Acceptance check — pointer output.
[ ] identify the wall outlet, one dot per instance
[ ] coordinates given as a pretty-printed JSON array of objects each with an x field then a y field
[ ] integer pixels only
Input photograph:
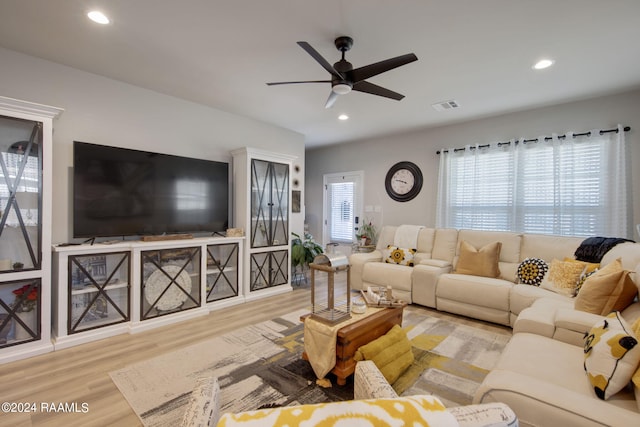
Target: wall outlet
[
  {"x": 368, "y": 208},
  {"x": 378, "y": 208}
]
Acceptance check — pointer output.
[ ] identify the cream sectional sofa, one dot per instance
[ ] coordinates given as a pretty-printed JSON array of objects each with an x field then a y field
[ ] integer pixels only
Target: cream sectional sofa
[
  {"x": 432, "y": 283},
  {"x": 540, "y": 375}
]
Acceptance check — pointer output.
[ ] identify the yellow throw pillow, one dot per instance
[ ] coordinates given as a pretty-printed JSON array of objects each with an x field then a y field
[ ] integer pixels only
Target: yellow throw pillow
[
  {"x": 391, "y": 353},
  {"x": 400, "y": 256},
  {"x": 611, "y": 355},
  {"x": 563, "y": 277},
  {"x": 606, "y": 290},
  {"x": 589, "y": 266},
  {"x": 482, "y": 262}
]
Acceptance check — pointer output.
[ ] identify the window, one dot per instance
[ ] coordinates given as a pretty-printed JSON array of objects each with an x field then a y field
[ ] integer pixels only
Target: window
[
  {"x": 575, "y": 186},
  {"x": 342, "y": 206}
]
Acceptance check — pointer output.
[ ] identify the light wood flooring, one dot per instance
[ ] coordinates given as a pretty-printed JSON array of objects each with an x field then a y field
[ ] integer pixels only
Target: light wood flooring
[{"x": 81, "y": 374}]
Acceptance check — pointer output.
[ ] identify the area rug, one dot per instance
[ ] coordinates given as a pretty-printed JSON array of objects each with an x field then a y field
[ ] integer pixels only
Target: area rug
[{"x": 260, "y": 366}]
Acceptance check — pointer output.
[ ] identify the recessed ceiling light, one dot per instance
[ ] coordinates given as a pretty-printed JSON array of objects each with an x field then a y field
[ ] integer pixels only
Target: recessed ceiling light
[
  {"x": 343, "y": 117},
  {"x": 99, "y": 17},
  {"x": 542, "y": 64}
]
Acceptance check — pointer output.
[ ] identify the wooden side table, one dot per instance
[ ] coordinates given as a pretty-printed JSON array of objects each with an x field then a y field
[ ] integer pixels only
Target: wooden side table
[{"x": 355, "y": 335}]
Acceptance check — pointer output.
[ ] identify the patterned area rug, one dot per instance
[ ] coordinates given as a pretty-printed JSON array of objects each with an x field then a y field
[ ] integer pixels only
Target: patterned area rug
[{"x": 260, "y": 366}]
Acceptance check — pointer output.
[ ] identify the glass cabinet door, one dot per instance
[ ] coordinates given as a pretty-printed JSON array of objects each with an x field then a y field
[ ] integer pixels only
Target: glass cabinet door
[
  {"x": 269, "y": 269},
  {"x": 260, "y": 203},
  {"x": 170, "y": 281},
  {"x": 279, "y": 204},
  {"x": 99, "y": 290},
  {"x": 20, "y": 198},
  {"x": 19, "y": 312},
  {"x": 269, "y": 203},
  {"x": 222, "y": 271}
]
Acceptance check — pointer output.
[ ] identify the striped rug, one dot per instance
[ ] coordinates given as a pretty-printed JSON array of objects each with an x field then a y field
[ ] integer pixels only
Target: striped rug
[{"x": 261, "y": 366}]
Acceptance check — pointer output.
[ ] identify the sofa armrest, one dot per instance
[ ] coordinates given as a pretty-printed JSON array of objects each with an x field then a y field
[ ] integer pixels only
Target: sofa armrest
[
  {"x": 369, "y": 383},
  {"x": 425, "y": 280},
  {"x": 357, "y": 262},
  {"x": 571, "y": 325}
]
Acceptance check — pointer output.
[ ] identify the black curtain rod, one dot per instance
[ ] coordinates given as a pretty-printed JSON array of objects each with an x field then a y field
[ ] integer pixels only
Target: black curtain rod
[{"x": 547, "y": 138}]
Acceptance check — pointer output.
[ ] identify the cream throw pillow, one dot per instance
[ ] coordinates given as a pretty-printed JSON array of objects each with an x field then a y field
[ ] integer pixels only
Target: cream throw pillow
[
  {"x": 482, "y": 262},
  {"x": 608, "y": 289},
  {"x": 611, "y": 355}
]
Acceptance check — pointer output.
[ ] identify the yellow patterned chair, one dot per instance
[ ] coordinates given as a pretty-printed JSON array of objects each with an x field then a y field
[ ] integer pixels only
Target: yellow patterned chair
[{"x": 375, "y": 404}]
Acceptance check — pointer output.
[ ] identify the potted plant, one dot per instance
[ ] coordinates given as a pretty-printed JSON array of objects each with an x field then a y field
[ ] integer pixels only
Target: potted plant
[
  {"x": 367, "y": 233},
  {"x": 304, "y": 250}
]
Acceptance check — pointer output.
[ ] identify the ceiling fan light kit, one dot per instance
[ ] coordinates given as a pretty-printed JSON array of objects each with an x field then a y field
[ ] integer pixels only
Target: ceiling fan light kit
[{"x": 344, "y": 78}]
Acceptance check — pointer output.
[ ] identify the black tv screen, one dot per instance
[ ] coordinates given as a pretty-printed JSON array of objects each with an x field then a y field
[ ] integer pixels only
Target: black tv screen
[{"x": 123, "y": 192}]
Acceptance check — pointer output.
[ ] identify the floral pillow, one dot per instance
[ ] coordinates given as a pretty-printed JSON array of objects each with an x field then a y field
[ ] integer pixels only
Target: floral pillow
[
  {"x": 611, "y": 355},
  {"x": 400, "y": 256}
]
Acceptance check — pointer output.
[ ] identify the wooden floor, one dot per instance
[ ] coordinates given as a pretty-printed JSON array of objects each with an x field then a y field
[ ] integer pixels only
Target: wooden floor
[{"x": 81, "y": 374}]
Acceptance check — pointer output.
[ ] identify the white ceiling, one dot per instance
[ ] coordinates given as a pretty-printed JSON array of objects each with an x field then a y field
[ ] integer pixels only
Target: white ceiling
[{"x": 222, "y": 52}]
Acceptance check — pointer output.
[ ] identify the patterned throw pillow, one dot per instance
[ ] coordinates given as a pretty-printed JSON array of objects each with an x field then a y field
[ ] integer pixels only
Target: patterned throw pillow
[
  {"x": 611, "y": 355},
  {"x": 400, "y": 256},
  {"x": 563, "y": 277},
  {"x": 406, "y": 410},
  {"x": 531, "y": 271}
]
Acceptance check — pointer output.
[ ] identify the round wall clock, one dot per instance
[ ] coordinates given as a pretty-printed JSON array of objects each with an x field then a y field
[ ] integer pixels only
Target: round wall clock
[{"x": 403, "y": 181}]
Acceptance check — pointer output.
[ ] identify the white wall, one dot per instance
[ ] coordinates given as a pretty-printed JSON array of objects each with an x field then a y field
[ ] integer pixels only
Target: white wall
[
  {"x": 109, "y": 112},
  {"x": 375, "y": 156}
]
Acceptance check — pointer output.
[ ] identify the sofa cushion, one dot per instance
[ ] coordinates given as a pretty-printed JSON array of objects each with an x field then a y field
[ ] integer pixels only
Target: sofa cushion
[
  {"x": 611, "y": 355},
  {"x": 531, "y": 271},
  {"x": 523, "y": 296},
  {"x": 548, "y": 247},
  {"x": 482, "y": 292},
  {"x": 608, "y": 289},
  {"x": 400, "y": 256},
  {"x": 382, "y": 274},
  {"x": 391, "y": 353},
  {"x": 563, "y": 277},
  {"x": 479, "y": 262},
  {"x": 444, "y": 244}
]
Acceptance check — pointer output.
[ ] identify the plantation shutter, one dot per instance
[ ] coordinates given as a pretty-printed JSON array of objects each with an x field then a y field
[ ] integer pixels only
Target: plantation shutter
[{"x": 341, "y": 200}]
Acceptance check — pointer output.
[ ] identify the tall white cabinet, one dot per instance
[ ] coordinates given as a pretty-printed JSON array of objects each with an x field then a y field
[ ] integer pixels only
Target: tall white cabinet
[
  {"x": 262, "y": 202},
  {"x": 25, "y": 228}
]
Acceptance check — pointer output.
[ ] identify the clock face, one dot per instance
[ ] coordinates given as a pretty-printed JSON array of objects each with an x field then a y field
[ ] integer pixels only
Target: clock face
[{"x": 403, "y": 181}]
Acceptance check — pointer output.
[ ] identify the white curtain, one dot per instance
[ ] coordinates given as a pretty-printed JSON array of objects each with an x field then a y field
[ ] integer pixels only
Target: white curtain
[{"x": 573, "y": 185}]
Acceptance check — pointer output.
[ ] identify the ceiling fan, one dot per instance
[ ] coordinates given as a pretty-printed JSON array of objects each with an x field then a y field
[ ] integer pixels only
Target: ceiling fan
[{"x": 344, "y": 78}]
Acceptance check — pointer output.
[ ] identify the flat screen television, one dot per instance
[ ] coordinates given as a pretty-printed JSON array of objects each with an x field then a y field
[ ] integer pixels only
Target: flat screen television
[{"x": 124, "y": 192}]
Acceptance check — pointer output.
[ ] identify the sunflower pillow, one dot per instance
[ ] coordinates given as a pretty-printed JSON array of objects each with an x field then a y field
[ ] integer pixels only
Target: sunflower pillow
[{"x": 400, "y": 256}]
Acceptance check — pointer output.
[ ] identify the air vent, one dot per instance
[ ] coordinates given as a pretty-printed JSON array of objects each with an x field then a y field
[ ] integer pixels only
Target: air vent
[{"x": 446, "y": 105}]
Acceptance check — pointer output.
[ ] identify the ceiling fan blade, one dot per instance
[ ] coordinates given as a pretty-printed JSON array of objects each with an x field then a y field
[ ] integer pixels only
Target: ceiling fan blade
[
  {"x": 325, "y": 64},
  {"x": 331, "y": 100},
  {"x": 377, "y": 90},
  {"x": 371, "y": 70},
  {"x": 292, "y": 83}
]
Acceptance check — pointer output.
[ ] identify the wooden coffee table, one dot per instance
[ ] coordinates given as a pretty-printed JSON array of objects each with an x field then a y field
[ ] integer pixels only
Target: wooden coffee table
[{"x": 355, "y": 335}]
